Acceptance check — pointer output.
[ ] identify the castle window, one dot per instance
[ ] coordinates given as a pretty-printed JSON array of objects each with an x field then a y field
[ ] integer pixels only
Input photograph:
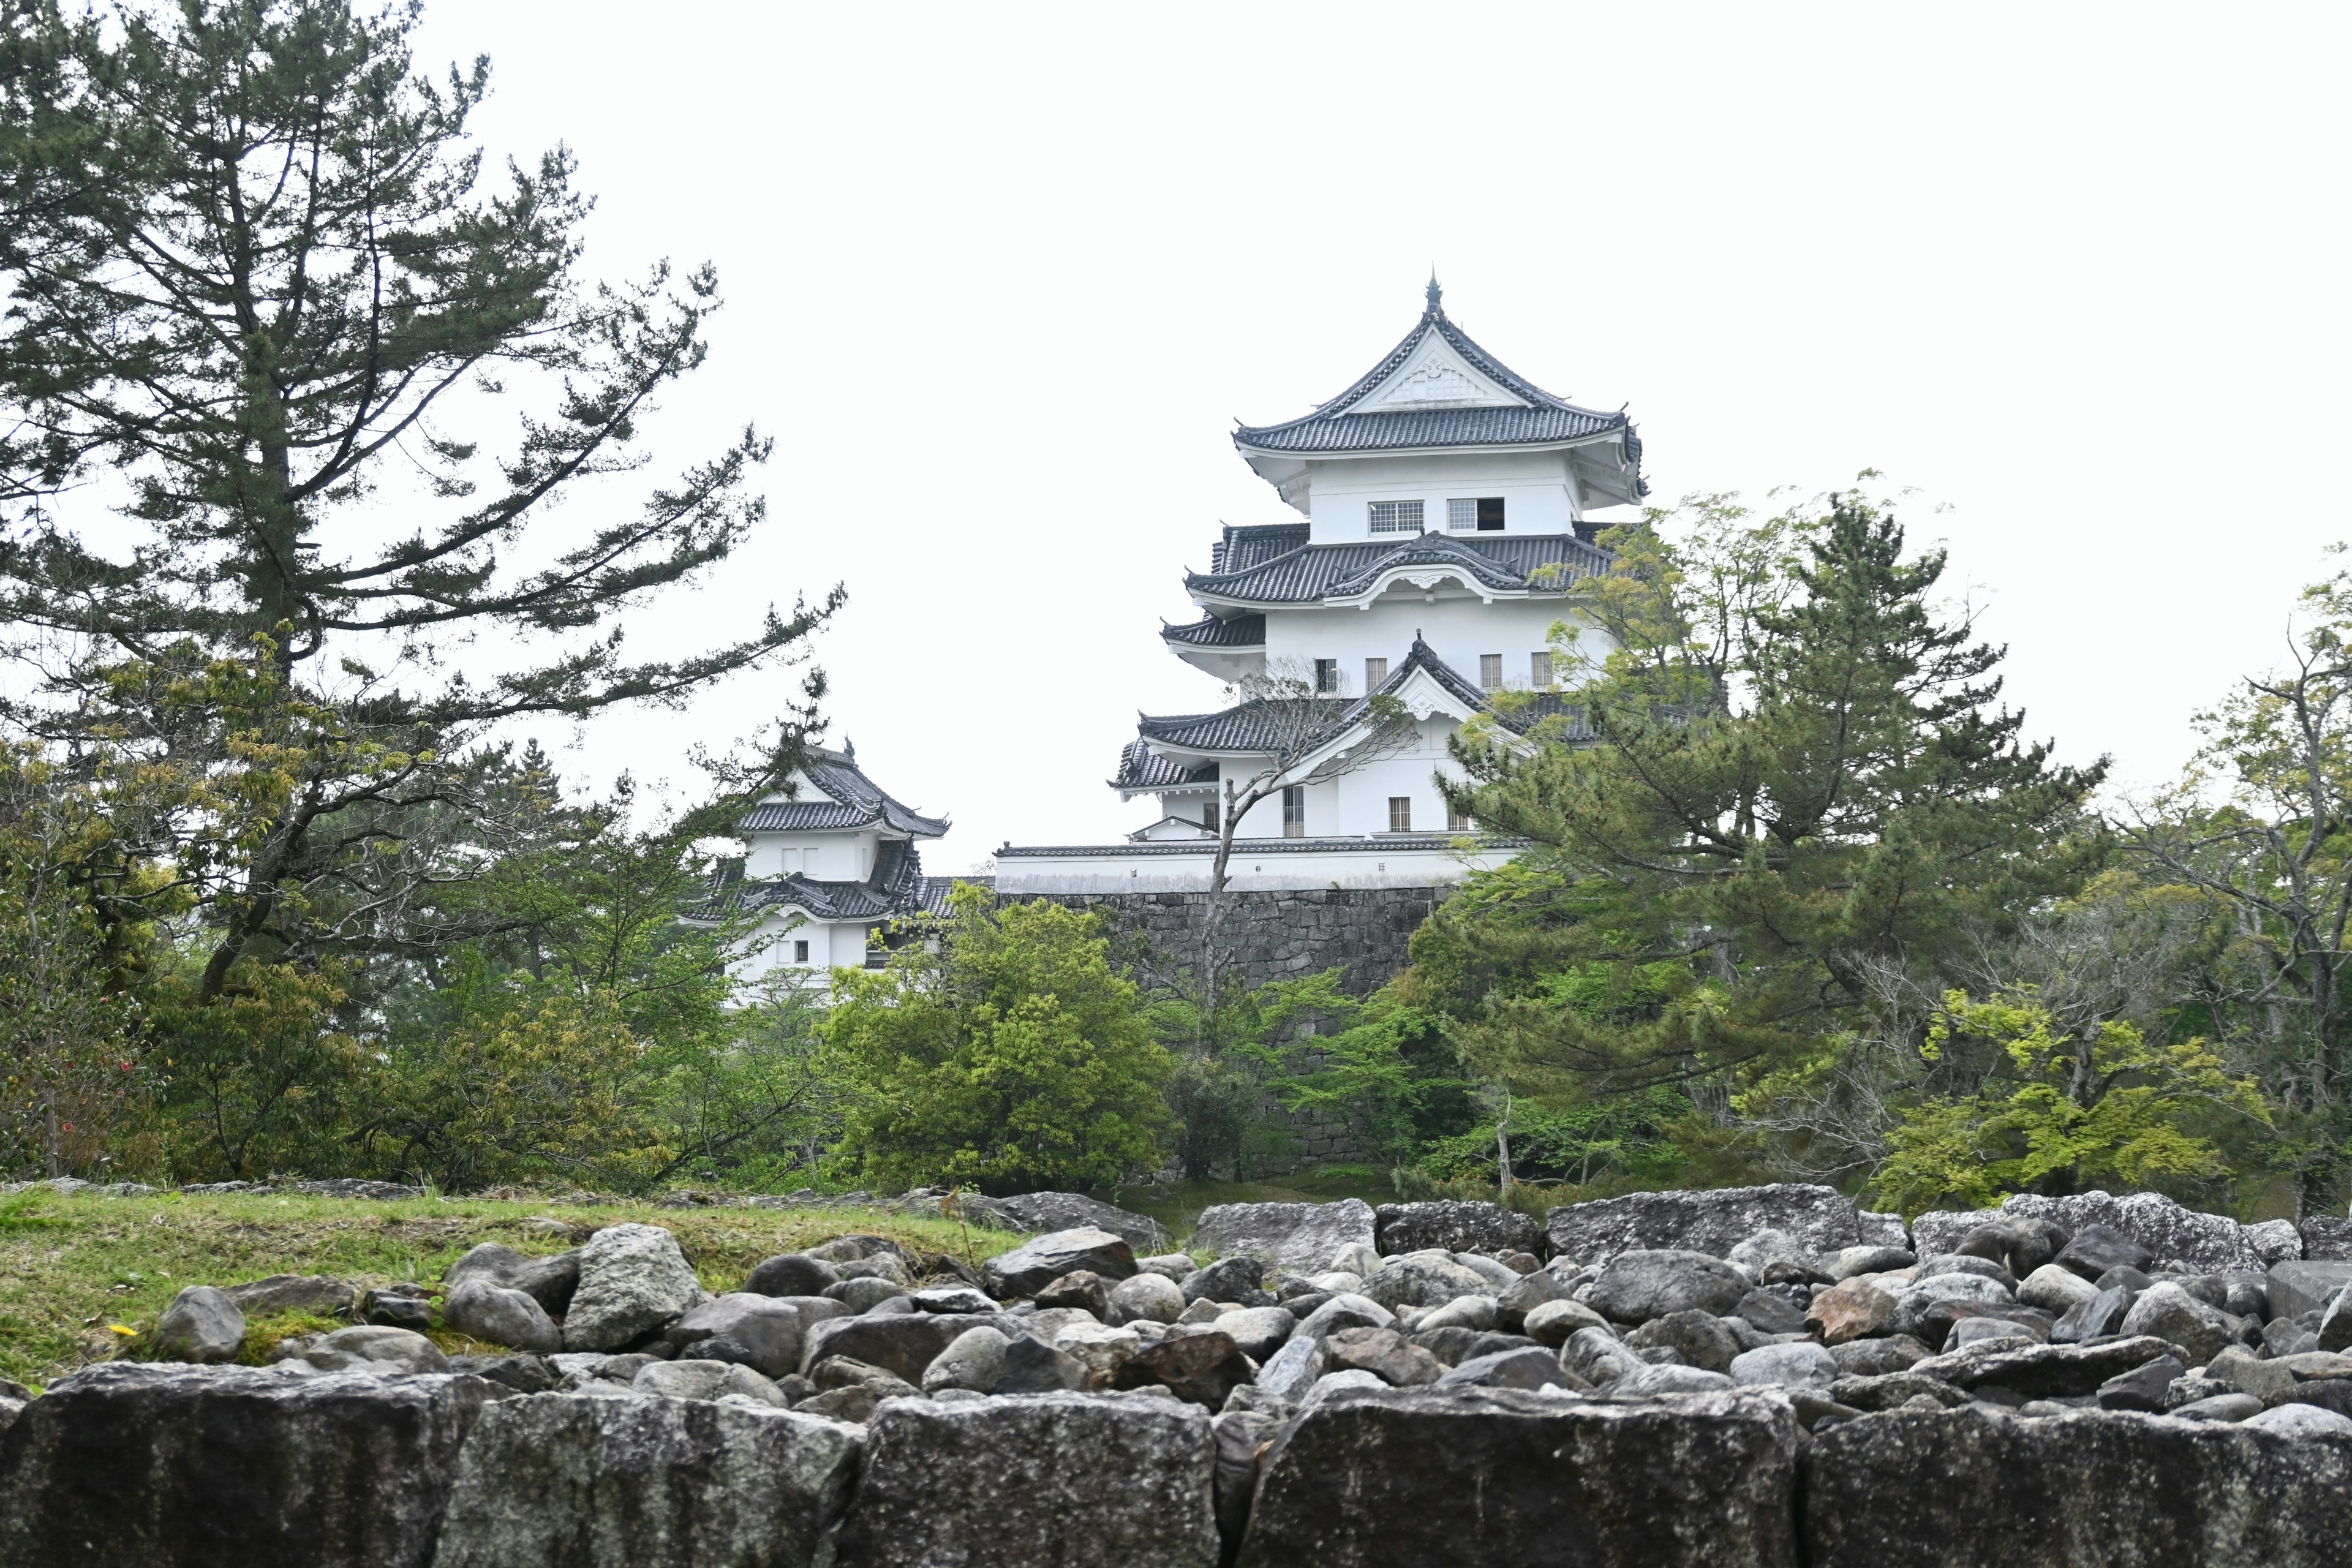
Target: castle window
[
  {"x": 1460, "y": 516},
  {"x": 1209, "y": 817},
  {"x": 1395, "y": 516},
  {"x": 1326, "y": 674},
  {"x": 800, "y": 952},
  {"x": 1490, "y": 514},
  {"x": 1376, "y": 670},
  {"x": 1457, "y": 821},
  {"x": 1294, "y": 811},
  {"x": 1490, "y": 671},
  {"x": 1400, "y": 814},
  {"x": 1539, "y": 670}
]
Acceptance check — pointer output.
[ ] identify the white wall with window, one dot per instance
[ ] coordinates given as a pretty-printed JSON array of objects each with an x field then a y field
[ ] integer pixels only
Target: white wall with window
[
  {"x": 1377, "y": 498},
  {"x": 1457, "y": 626}
]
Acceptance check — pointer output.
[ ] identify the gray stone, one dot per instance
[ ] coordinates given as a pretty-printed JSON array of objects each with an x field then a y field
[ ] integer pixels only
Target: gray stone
[
  {"x": 2143, "y": 1388},
  {"x": 1554, "y": 1322},
  {"x": 1345, "y": 1310},
  {"x": 2171, "y": 1233},
  {"x": 1258, "y": 1331},
  {"x": 2275, "y": 1241},
  {"x": 2170, "y": 1312},
  {"x": 397, "y": 1307},
  {"x": 1848, "y": 1262},
  {"x": 633, "y": 1280},
  {"x": 1599, "y": 1357},
  {"x": 1037, "y": 1263},
  {"x": 1200, "y": 1369},
  {"x": 1293, "y": 1368},
  {"x": 1939, "y": 1265},
  {"x": 1455, "y": 1227},
  {"x": 1298, "y": 1236},
  {"x": 792, "y": 1274},
  {"x": 1895, "y": 1391},
  {"x": 1240, "y": 1434},
  {"x": 694, "y": 1378},
  {"x": 549, "y": 1281},
  {"x": 905, "y": 1344},
  {"x": 1531, "y": 1290},
  {"x": 1476, "y": 1313},
  {"x": 1064, "y": 1480},
  {"x": 1818, "y": 1219},
  {"x": 1383, "y": 1353},
  {"x": 1881, "y": 1229},
  {"x": 975, "y": 1360},
  {"x": 762, "y": 1332},
  {"x": 498, "y": 1316},
  {"x": 2296, "y": 1288},
  {"x": 1500, "y": 1476},
  {"x": 862, "y": 1294},
  {"x": 202, "y": 1324},
  {"x": 2043, "y": 1371},
  {"x": 1770, "y": 1311},
  {"x": 1528, "y": 1369},
  {"x": 1031, "y": 1365},
  {"x": 1237, "y": 1279},
  {"x": 1799, "y": 1363},
  {"x": 1148, "y": 1297},
  {"x": 2057, "y": 1289},
  {"x": 1776, "y": 1258},
  {"x": 573, "y": 1482},
  {"x": 2071, "y": 1491},
  {"x": 2103, "y": 1314},
  {"x": 959, "y": 1300},
  {"x": 1877, "y": 1357},
  {"x": 374, "y": 1345},
  {"x": 2301, "y": 1421},
  {"x": 317, "y": 1293},
  {"x": 1914, "y": 1301},
  {"x": 1424, "y": 1279},
  {"x": 1697, "y": 1338},
  {"x": 2220, "y": 1407},
  {"x": 1672, "y": 1379},
  {"x": 2096, "y": 1250},
  {"x": 1637, "y": 1286},
  {"x": 130, "y": 1465},
  {"x": 2326, "y": 1239},
  {"x": 1076, "y": 1211}
]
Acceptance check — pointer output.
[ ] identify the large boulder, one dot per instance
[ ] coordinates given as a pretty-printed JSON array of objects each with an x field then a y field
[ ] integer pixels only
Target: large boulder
[
  {"x": 1398, "y": 1479},
  {"x": 1302, "y": 1237},
  {"x": 2042, "y": 1372},
  {"x": 202, "y": 1324},
  {"x": 1817, "y": 1219},
  {"x": 139, "y": 1465},
  {"x": 321, "y": 1294},
  {"x": 633, "y": 1280},
  {"x": 1037, "y": 1263},
  {"x": 2208, "y": 1242},
  {"x": 498, "y": 1316},
  {"x": 762, "y": 1332},
  {"x": 2324, "y": 1238},
  {"x": 1640, "y": 1285},
  {"x": 1455, "y": 1227},
  {"x": 549, "y": 1281},
  {"x": 1202, "y": 1368},
  {"x": 2303, "y": 1286},
  {"x": 1074, "y": 1481},
  {"x": 1076, "y": 1211},
  {"x": 1424, "y": 1279},
  {"x": 568, "y": 1481},
  {"x": 2089, "y": 1491},
  {"x": 2169, "y": 1312},
  {"x": 905, "y": 1343}
]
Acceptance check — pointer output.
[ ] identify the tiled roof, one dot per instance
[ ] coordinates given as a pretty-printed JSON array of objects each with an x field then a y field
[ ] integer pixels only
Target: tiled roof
[
  {"x": 855, "y": 800},
  {"x": 1506, "y": 562},
  {"x": 1545, "y": 419},
  {"x": 1138, "y": 769},
  {"x": 1257, "y": 725},
  {"x": 897, "y": 888},
  {"x": 1382, "y": 843},
  {"x": 1236, "y": 631},
  {"x": 1247, "y": 546}
]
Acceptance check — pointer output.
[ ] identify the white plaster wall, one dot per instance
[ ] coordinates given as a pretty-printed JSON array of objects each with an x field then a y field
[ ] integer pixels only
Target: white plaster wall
[
  {"x": 1459, "y": 629},
  {"x": 1112, "y": 872},
  {"x": 1538, "y": 494},
  {"x": 828, "y": 856}
]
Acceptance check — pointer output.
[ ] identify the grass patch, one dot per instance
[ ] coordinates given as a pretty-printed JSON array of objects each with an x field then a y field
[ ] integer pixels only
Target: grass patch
[{"x": 76, "y": 1268}]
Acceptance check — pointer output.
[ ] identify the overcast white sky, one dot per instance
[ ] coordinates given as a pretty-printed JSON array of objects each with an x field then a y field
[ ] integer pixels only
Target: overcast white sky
[{"x": 1002, "y": 277}]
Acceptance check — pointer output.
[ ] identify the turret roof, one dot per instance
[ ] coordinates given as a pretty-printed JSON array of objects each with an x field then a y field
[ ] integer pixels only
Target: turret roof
[
  {"x": 1233, "y": 631},
  {"x": 1505, "y": 563},
  {"x": 852, "y": 801}
]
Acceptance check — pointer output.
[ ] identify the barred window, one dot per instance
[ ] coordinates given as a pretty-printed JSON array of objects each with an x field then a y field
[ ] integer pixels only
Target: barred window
[
  {"x": 1400, "y": 814},
  {"x": 1460, "y": 516},
  {"x": 1457, "y": 821},
  {"x": 1539, "y": 670},
  {"x": 1395, "y": 516},
  {"x": 1327, "y": 675},
  {"x": 1490, "y": 671},
  {"x": 1294, "y": 811},
  {"x": 1376, "y": 670}
]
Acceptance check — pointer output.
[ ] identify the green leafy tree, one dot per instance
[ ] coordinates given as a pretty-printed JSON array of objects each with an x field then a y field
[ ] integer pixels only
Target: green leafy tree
[
  {"x": 1000, "y": 1050},
  {"x": 2065, "y": 1109}
]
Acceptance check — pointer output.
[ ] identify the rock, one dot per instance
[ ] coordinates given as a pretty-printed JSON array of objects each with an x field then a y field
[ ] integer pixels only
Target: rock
[
  {"x": 1700, "y": 1340},
  {"x": 376, "y": 1346},
  {"x": 1014, "y": 1483},
  {"x": 792, "y": 1274},
  {"x": 1817, "y": 1219},
  {"x": 1451, "y": 1346},
  {"x": 2142, "y": 1388},
  {"x": 498, "y": 1316},
  {"x": 317, "y": 1293},
  {"x": 961, "y": 1300},
  {"x": 1148, "y": 1297},
  {"x": 1033, "y": 1366},
  {"x": 1081, "y": 1287},
  {"x": 1383, "y": 1353},
  {"x": 202, "y": 1325},
  {"x": 1531, "y": 1290},
  {"x": 1894, "y": 1391},
  {"x": 1671, "y": 1378},
  {"x": 723, "y": 1315},
  {"x": 1849, "y": 1262},
  {"x": 573, "y": 1482},
  {"x": 1345, "y": 1310},
  {"x": 1424, "y": 1279},
  {"x": 1075, "y": 1211},
  {"x": 1880, "y": 1229},
  {"x": 1914, "y": 1301},
  {"x": 2095, "y": 1249},
  {"x": 1235, "y": 1278},
  {"x": 1200, "y": 1369},
  {"x": 1498, "y": 1277},
  {"x": 633, "y": 1280},
  {"x": 130, "y": 1465},
  {"x": 1293, "y": 1368},
  {"x": 1964, "y": 1263},
  {"x": 2301, "y": 1421},
  {"x": 1476, "y": 1313},
  {"x": 1361, "y": 1258},
  {"x": 1874, "y": 1357},
  {"x": 905, "y": 1344},
  {"x": 699, "y": 1379},
  {"x": 352, "y": 1187},
  {"x": 1800, "y": 1365},
  {"x": 1554, "y": 1322},
  {"x": 397, "y": 1307},
  {"x": 549, "y": 1281},
  {"x": 1454, "y": 1226},
  {"x": 1527, "y": 1369},
  {"x": 2170, "y": 1312},
  {"x": 1239, "y": 1436},
  {"x": 1035, "y": 1264},
  {"x": 2055, "y": 1289},
  {"x": 1849, "y": 1311},
  {"x": 2299, "y": 1286},
  {"x": 1637, "y": 1286},
  {"x": 1500, "y": 1476},
  {"x": 974, "y": 1361},
  {"x": 2220, "y": 1407},
  {"x": 1599, "y": 1357},
  {"x": 2275, "y": 1241},
  {"x": 523, "y": 1374},
  {"x": 1177, "y": 1266},
  {"x": 2326, "y": 1239},
  {"x": 1258, "y": 1331},
  {"x": 1776, "y": 1258},
  {"x": 1101, "y": 1348},
  {"x": 1297, "y": 1237},
  {"x": 2006, "y": 1493},
  {"x": 863, "y": 1293},
  {"x": 2206, "y": 1242},
  {"x": 1968, "y": 1331},
  {"x": 1770, "y": 1311},
  {"x": 2103, "y": 1314}
]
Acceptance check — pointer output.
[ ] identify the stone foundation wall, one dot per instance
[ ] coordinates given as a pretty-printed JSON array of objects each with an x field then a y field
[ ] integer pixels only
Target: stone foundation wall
[{"x": 1276, "y": 935}]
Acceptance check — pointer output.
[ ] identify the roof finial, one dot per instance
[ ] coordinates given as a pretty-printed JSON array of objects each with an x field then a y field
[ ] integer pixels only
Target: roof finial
[
  {"x": 848, "y": 749},
  {"x": 1436, "y": 294}
]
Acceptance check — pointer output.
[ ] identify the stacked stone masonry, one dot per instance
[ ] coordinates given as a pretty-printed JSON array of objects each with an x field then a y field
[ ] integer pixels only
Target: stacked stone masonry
[
  {"x": 1751, "y": 1378},
  {"x": 1364, "y": 932}
]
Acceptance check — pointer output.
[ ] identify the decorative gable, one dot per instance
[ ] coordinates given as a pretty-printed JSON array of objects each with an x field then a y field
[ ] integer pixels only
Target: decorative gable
[{"x": 1435, "y": 376}]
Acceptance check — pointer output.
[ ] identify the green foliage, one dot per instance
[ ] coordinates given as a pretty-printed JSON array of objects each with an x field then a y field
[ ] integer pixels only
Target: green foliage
[
  {"x": 260, "y": 1079},
  {"x": 1000, "y": 1050},
  {"x": 2068, "y": 1110},
  {"x": 1623, "y": 1141}
]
